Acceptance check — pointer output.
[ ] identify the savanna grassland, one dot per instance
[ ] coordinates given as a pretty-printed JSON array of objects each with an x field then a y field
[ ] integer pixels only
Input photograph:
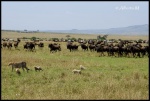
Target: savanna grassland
[{"x": 104, "y": 78}]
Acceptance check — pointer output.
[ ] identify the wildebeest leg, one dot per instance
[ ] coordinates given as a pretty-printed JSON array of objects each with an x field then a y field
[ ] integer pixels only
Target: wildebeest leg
[
  {"x": 143, "y": 53},
  {"x": 51, "y": 51},
  {"x": 138, "y": 54},
  {"x": 112, "y": 53},
  {"x": 56, "y": 50},
  {"x": 100, "y": 54},
  {"x": 128, "y": 54},
  {"x": 133, "y": 54},
  {"x": 34, "y": 49},
  {"x": 108, "y": 54},
  {"x": 120, "y": 54},
  {"x": 103, "y": 53}
]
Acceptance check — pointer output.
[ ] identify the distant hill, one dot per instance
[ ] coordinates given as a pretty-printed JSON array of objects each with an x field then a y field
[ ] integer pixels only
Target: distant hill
[{"x": 130, "y": 30}]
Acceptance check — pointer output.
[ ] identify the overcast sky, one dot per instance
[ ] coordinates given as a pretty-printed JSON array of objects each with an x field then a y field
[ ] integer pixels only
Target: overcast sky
[{"x": 67, "y": 15}]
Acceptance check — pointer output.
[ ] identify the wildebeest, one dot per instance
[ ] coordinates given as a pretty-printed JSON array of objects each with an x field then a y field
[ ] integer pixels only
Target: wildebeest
[
  {"x": 140, "y": 50},
  {"x": 127, "y": 50},
  {"x": 54, "y": 47},
  {"x": 99, "y": 48},
  {"x": 18, "y": 39},
  {"x": 72, "y": 46},
  {"x": 9, "y": 45},
  {"x": 135, "y": 50},
  {"x": 143, "y": 50},
  {"x": 41, "y": 44},
  {"x": 147, "y": 50},
  {"x": 4, "y": 44},
  {"x": 29, "y": 46},
  {"x": 16, "y": 44},
  {"x": 19, "y": 65},
  {"x": 92, "y": 47},
  {"x": 84, "y": 47}
]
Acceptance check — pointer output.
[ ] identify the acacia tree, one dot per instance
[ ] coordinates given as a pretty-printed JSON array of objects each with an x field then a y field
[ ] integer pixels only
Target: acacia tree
[
  {"x": 68, "y": 36},
  {"x": 104, "y": 37}
]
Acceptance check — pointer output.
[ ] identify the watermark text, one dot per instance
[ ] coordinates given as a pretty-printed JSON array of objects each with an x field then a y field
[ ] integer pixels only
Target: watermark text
[{"x": 127, "y": 8}]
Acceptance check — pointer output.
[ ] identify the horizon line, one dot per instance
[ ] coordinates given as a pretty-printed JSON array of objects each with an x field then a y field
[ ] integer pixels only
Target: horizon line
[{"x": 69, "y": 29}]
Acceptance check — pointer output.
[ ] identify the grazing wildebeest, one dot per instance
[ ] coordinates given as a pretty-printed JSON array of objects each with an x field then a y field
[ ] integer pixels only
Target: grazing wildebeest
[
  {"x": 4, "y": 44},
  {"x": 143, "y": 51},
  {"x": 147, "y": 50},
  {"x": 9, "y": 45},
  {"x": 41, "y": 44},
  {"x": 18, "y": 39},
  {"x": 100, "y": 48},
  {"x": 26, "y": 45},
  {"x": 19, "y": 65},
  {"x": 54, "y": 47},
  {"x": 92, "y": 47},
  {"x": 135, "y": 48},
  {"x": 139, "y": 49},
  {"x": 127, "y": 50},
  {"x": 16, "y": 44},
  {"x": 29, "y": 46},
  {"x": 72, "y": 46},
  {"x": 84, "y": 47},
  {"x": 114, "y": 50},
  {"x": 121, "y": 48}
]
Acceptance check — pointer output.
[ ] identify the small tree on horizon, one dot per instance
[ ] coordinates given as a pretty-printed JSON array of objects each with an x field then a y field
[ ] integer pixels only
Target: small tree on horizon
[
  {"x": 104, "y": 37},
  {"x": 68, "y": 36}
]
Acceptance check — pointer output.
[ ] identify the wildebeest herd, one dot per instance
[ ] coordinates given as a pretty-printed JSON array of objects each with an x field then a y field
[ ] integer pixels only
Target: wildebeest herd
[
  {"x": 121, "y": 48},
  {"x": 118, "y": 49}
]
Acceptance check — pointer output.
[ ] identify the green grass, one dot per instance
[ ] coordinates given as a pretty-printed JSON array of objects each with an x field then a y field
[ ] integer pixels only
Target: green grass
[{"x": 104, "y": 78}]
